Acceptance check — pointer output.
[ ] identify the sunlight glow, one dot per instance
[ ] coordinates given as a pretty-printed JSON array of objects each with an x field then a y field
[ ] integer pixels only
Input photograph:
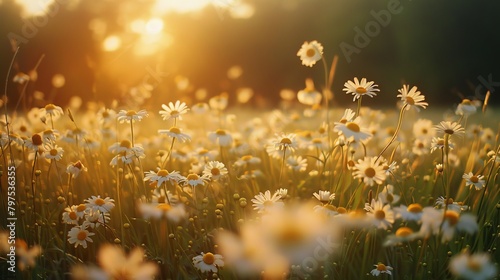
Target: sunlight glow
[
  {"x": 154, "y": 26},
  {"x": 185, "y": 6},
  {"x": 34, "y": 7},
  {"x": 111, "y": 43}
]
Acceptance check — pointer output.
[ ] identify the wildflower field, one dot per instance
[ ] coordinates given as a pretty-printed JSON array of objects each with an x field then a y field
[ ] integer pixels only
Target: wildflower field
[{"x": 209, "y": 190}]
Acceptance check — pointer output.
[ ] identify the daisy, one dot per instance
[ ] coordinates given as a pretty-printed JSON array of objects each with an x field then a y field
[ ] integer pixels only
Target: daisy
[
  {"x": 423, "y": 129},
  {"x": 75, "y": 169},
  {"x": 324, "y": 196},
  {"x": 173, "y": 213},
  {"x": 264, "y": 201},
  {"x": 106, "y": 116},
  {"x": 466, "y": 108},
  {"x": 161, "y": 176},
  {"x": 450, "y": 128},
  {"x": 215, "y": 170},
  {"x": 387, "y": 195},
  {"x": 219, "y": 102},
  {"x": 35, "y": 143},
  {"x": 390, "y": 168},
  {"x": 194, "y": 180},
  {"x": 51, "y": 111},
  {"x": 117, "y": 265},
  {"x": 200, "y": 108},
  {"x": 435, "y": 221},
  {"x": 131, "y": 116},
  {"x": 477, "y": 266},
  {"x": 70, "y": 216},
  {"x": 79, "y": 235},
  {"x": 208, "y": 262},
  {"x": 285, "y": 142},
  {"x": 474, "y": 180},
  {"x": 94, "y": 218},
  {"x": 370, "y": 171},
  {"x": 403, "y": 234},
  {"x": 221, "y": 137},
  {"x": 412, "y": 98},
  {"x": 54, "y": 152},
  {"x": 452, "y": 205},
  {"x": 352, "y": 131},
  {"x": 359, "y": 89},
  {"x": 175, "y": 133},
  {"x": 412, "y": 212},
  {"x": 381, "y": 268},
  {"x": 420, "y": 147},
  {"x": 297, "y": 163},
  {"x": 173, "y": 111},
  {"x": 438, "y": 143},
  {"x": 309, "y": 95},
  {"x": 310, "y": 53},
  {"x": 282, "y": 192},
  {"x": 26, "y": 257},
  {"x": 383, "y": 216},
  {"x": 97, "y": 203},
  {"x": 50, "y": 135}
]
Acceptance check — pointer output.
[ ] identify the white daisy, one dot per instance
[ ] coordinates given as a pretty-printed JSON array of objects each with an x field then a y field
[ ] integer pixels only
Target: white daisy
[
  {"x": 477, "y": 266},
  {"x": 75, "y": 169},
  {"x": 221, "y": 137},
  {"x": 382, "y": 215},
  {"x": 161, "y": 176},
  {"x": 474, "y": 180},
  {"x": 102, "y": 204},
  {"x": 215, "y": 170},
  {"x": 176, "y": 133},
  {"x": 324, "y": 196},
  {"x": 381, "y": 268},
  {"x": 360, "y": 89},
  {"x": 412, "y": 98},
  {"x": 264, "y": 201},
  {"x": 466, "y": 108},
  {"x": 52, "y": 111},
  {"x": 131, "y": 116},
  {"x": 370, "y": 171},
  {"x": 352, "y": 131},
  {"x": 79, "y": 235},
  {"x": 451, "y": 128},
  {"x": 310, "y": 53},
  {"x": 173, "y": 111},
  {"x": 208, "y": 262}
]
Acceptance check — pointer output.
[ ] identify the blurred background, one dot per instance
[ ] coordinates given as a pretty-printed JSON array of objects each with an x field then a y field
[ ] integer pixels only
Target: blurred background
[{"x": 141, "y": 52}]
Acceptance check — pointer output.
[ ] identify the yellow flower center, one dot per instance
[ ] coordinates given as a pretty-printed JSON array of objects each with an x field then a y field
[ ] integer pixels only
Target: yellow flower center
[
  {"x": 81, "y": 207},
  {"x": 452, "y": 217},
  {"x": 192, "y": 177},
  {"x": 361, "y": 90},
  {"x": 379, "y": 214},
  {"x": 220, "y": 132},
  {"x": 165, "y": 207},
  {"x": 162, "y": 173},
  {"x": 466, "y": 102},
  {"x": 330, "y": 207},
  {"x": 404, "y": 231},
  {"x": 424, "y": 131},
  {"x": 474, "y": 265},
  {"x": 415, "y": 208},
  {"x": 286, "y": 141},
  {"x": 370, "y": 172},
  {"x": 310, "y": 52},
  {"x": 353, "y": 126},
  {"x": 381, "y": 267},
  {"x": 215, "y": 171},
  {"x": 72, "y": 215},
  {"x": 208, "y": 258},
  {"x": 100, "y": 202},
  {"x": 246, "y": 158},
  {"x": 82, "y": 235},
  {"x": 36, "y": 139},
  {"x": 474, "y": 179},
  {"x": 53, "y": 152},
  {"x": 126, "y": 144},
  {"x": 78, "y": 165},
  {"x": 410, "y": 100},
  {"x": 174, "y": 130},
  {"x": 341, "y": 210},
  {"x": 131, "y": 113},
  {"x": 50, "y": 107},
  {"x": 449, "y": 131},
  {"x": 174, "y": 112},
  {"x": 290, "y": 235}
]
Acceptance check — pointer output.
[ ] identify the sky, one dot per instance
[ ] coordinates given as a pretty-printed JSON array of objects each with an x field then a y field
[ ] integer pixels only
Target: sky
[{"x": 448, "y": 49}]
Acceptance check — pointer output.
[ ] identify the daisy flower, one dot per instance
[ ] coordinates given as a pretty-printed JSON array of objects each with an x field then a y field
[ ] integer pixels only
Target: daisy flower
[
  {"x": 451, "y": 128},
  {"x": 284, "y": 142},
  {"x": 309, "y": 95},
  {"x": 412, "y": 98},
  {"x": 477, "y": 266},
  {"x": 34, "y": 143},
  {"x": 94, "y": 218},
  {"x": 412, "y": 212},
  {"x": 370, "y": 171},
  {"x": 106, "y": 116},
  {"x": 215, "y": 170},
  {"x": 387, "y": 195},
  {"x": 420, "y": 147},
  {"x": 194, "y": 180},
  {"x": 117, "y": 265},
  {"x": 173, "y": 111},
  {"x": 219, "y": 102},
  {"x": 383, "y": 216},
  {"x": 70, "y": 216},
  {"x": 50, "y": 135},
  {"x": 403, "y": 234},
  {"x": 352, "y": 131},
  {"x": 131, "y": 116},
  {"x": 173, "y": 213},
  {"x": 452, "y": 205},
  {"x": 264, "y": 201},
  {"x": 324, "y": 196},
  {"x": 381, "y": 268},
  {"x": 435, "y": 221},
  {"x": 359, "y": 89},
  {"x": 52, "y": 111},
  {"x": 97, "y": 203},
  {"x": 79, "y": 235},
  {"x": 466, "y": 108},
  {"x": 310, "y": 53},
  {"x": 297, "y": 163},
  {"x": 438, "y": 143},
  {"x": 54, "y": 152},
  {"x": 176, "y": 133},
  {"x": 474, "y": 180},
  {"x": 26, "y": 257},
  {"x": 161, "y": 176},
  {"x": 75, "y": 169},
  {"x": 200, "y": 108},
  {"x": 208, "y": 262},
  {"x": 221, "y": 137},
  {"x": 423, "y": 129}
]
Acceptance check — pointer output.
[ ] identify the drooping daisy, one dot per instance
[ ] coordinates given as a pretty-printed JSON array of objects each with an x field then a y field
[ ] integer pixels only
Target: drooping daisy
[
  {"x": 176, "y": 133},
  {"x": 161, "y": 176},
  {"x": 359, "y": 89},
  {"x": 131, "y": 116},
  {"x": 310, "y": 53},
  {"x": 477, "y": 266},
  {"x": 412, "y": 98},
  {"x": 221, "y": 137},
  {"x": 215, "y": 170},
  {"x": 102, "y": 204},
  {"x": 173, "y": 111},
  {"x": 208, "y": 262},
  {"x": 264, "y": 201},
  {"x": 79, "y": 235},
  {"x": 51, "y": 111},
  {"x": 348, "y": 116},
  {"x": 370, "y": 171},
  {"x": 381, "y": 268},
  {"x": 466, "y": 108},
  {"x": 474, "y": 180},
  {"x": 382, "y": 215},
  {"x": 50, "y": 135},
  {"x": 324, "y": 196},
  {"x": 309, "y": 95},
  {"x": 451, "y": 128},
  {"x": 75, "y": 169},
  {"x": 352, "y": 131}
]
